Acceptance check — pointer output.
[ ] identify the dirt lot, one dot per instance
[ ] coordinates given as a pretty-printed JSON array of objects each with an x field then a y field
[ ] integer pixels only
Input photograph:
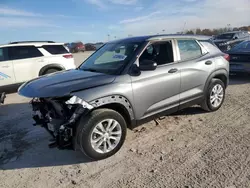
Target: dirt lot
[{"x": 188, "y": 149}]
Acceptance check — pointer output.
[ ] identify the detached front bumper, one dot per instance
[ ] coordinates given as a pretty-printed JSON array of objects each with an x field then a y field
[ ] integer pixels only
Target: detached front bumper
[
  {"x": 2, "y": 98},
  {"x": 59, "y": 117}
]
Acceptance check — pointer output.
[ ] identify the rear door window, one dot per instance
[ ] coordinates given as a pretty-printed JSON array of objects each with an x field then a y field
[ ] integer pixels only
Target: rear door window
[
  {"x": 3, "y": 54},
  {"x": 189, "y": 49},
  {"x": 23, "y": 52},
  {"x": 55, "y": 49}
]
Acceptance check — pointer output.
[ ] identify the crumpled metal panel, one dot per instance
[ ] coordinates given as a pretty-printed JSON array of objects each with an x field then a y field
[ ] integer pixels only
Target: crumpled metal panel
[{"x": 114, "y": 99}]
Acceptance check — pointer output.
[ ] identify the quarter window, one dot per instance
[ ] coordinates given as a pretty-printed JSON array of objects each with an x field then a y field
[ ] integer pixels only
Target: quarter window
[
  {"x": 23, "y": 52},
  {"x": 189, "y": 49},
  {"x": 55, "y": 49}
]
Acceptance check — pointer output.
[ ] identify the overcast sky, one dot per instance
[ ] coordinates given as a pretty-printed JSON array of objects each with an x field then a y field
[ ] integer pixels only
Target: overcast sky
[{"x": 93, "y": 20}]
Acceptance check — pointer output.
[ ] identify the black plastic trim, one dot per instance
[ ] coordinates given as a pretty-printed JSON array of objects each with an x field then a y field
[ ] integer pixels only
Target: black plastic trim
[{"x": 50, "y": 66}]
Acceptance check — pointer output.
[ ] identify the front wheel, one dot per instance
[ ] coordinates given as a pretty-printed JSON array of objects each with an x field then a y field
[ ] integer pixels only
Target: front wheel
[
  {"x": 215, "y": 96},
  {"x": 101, "y": 133}
]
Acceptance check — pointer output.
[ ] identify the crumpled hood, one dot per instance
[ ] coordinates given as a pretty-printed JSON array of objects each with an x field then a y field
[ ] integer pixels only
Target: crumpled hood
[{"x": 63, "y": 83}]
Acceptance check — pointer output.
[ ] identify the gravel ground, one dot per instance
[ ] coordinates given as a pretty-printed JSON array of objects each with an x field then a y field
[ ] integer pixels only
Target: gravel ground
[{"x": 187, "y": 149}]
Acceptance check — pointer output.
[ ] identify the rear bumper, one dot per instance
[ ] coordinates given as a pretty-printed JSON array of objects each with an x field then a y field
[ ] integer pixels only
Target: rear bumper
[
  {"x": 70, "y": 64},
  {"x": 239, "y": 67}
]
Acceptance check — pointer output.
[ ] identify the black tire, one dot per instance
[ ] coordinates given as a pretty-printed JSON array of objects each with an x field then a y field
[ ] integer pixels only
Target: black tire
[
  {"x": 51, "y": 70},
  {"x": 206, "y": 104},
  {"x": 86, "y": 126}
]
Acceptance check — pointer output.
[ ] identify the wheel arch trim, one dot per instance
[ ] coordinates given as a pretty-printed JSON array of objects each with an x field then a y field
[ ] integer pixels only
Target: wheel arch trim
[
  {"x": 223, "y": 72},
  {"x": 114, "y": 99}
]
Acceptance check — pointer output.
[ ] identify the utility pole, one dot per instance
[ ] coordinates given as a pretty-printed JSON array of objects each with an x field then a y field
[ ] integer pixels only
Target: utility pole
[{"x": 183, "y": 27}]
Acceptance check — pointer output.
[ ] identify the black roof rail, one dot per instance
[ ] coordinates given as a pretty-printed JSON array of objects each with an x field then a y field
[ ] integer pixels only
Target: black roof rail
[{"x": 20, "y": 42}]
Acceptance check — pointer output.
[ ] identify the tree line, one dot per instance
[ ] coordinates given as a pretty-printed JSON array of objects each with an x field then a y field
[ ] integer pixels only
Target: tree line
[{"x": 217, "y": 31}]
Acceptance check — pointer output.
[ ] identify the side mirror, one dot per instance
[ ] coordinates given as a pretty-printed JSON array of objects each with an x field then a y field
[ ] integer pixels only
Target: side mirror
[{"x": 147, "y": 65}]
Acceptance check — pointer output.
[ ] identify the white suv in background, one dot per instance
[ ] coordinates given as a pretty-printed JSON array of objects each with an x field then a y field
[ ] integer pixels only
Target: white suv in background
[{"x": 23, "y": 61}]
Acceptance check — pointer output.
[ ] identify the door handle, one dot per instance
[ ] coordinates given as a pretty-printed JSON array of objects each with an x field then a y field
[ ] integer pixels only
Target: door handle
[
  {"x": 173, "y": 70},
  {"x": 5, "y": 66},
  {"x": 208, "y": 62}
]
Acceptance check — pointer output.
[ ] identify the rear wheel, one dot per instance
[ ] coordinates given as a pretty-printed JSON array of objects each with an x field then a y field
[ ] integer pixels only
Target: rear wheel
[
  {"x": 215, "y": 96},
  {"x": 101, "y": 133}
]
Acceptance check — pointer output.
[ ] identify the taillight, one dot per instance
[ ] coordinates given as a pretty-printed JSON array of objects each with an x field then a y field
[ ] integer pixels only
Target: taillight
[
  {"x": 227, "y": 57},
  {"x": 68, "y": 56}
]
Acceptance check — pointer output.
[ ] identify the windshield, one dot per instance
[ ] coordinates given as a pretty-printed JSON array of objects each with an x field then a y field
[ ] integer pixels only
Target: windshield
[
  {"x": 111, "y": 58},
  {"x": 225, "y": 36},
  {"x": 243, "y": 47}
]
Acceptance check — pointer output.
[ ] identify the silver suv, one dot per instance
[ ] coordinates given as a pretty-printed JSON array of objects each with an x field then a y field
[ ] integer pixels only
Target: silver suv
[{"x": 124, "y": 83}]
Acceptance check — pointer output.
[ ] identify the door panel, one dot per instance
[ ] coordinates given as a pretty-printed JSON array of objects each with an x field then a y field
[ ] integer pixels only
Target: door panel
[
  {"x": 26, "y": 60},
  {"x": 155, "y": 91},
  {"x": 194, "y": 75},
  {"x": 195, "y": 66},
  {"x": 7, "y": 76},
  {"x": 26, "y": 69}
]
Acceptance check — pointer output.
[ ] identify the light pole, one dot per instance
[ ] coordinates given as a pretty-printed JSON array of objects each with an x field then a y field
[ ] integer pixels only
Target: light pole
[{"x": 184, "y": 27}]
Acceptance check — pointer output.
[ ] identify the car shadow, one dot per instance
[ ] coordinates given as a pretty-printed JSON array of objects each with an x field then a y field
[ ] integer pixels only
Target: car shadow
[
  {"x": 24, "y": 146},
  {"x": 190, "y": 111}
]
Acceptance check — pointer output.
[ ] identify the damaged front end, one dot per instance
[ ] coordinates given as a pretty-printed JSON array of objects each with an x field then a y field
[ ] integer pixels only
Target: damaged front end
[{"x": 59, "y": 117}]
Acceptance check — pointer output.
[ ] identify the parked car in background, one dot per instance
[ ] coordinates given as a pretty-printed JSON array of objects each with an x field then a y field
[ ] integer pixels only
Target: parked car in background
[
  {"x": 240, "y": 58},
  {"x": 23, "y": 61},
  {"x": 228, "y": 40},
  {"x": 75, "y": 47},
  {"x": 98, "y": 45},
  {"x": 90, "y": 47},
  {"x": 127, "y": 82}
]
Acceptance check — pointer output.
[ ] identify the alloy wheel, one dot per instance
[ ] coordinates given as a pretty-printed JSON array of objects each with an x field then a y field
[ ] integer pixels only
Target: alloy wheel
[
  {"x": 216, "y": 96},
  {"x": 106, "y": 135}
]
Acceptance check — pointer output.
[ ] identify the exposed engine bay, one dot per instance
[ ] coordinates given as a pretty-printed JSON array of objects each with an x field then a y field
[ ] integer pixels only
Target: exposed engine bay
[{"x": 59, "y": 117}]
